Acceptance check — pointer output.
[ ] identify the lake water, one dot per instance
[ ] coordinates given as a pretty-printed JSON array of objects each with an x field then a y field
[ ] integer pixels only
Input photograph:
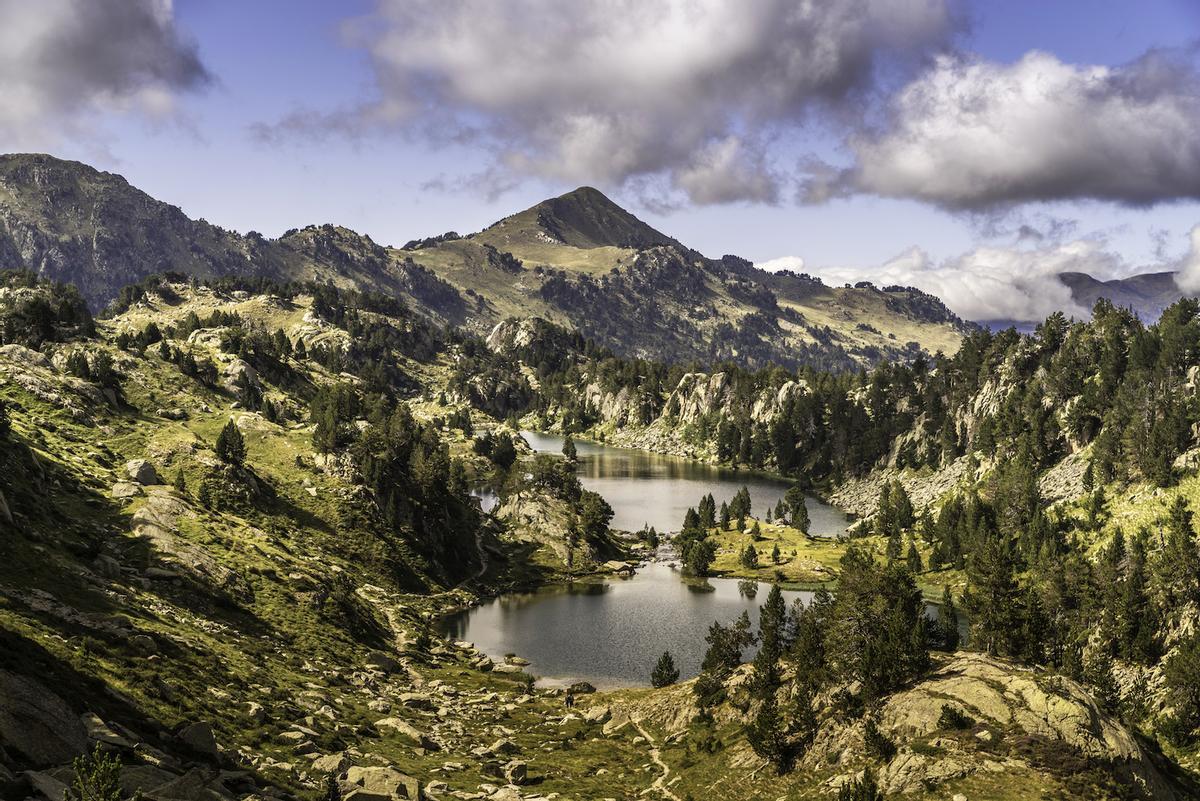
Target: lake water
[
  {"x": 649, "y": 488},
  {"x": 609, "y": 632}
]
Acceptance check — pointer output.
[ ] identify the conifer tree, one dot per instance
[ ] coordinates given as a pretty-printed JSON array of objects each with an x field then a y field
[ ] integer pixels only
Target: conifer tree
[
  {"x": 665, "y": 673},
  {"x": 913, "y": 558},
  {"x": 231, "y": 447},
  {"x": 568, "y": 449}
]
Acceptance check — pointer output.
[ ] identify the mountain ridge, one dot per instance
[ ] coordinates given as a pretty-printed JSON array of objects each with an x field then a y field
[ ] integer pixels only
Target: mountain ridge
[{"x": 578, "y": 260}]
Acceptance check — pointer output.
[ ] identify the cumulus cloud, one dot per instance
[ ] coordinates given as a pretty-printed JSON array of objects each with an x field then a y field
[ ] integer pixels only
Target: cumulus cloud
[
  {"x": 990, "y": 283},
  {"x": 971, "y": 134},
  {"x": 1188, "y": 276},
  {"x": 61, "y": 60},
  {"x": 612, "y": 91}
]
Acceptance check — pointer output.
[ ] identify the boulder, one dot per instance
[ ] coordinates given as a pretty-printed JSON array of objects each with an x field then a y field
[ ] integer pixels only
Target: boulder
[
  {"x": 381, "y": 661},
  {"x": 195, "y": 785},
  {"x": 516, "y": 772},
  {"x": 378, "y": 784},
  {"x": 142, "y": 472},
  {"x": 123, "y": 490},
  {"x": 99, "y": 732},
  {"x": 331, "y": 763},
  {"x": 408, "y": 732},
  {"x": 581, "y": 688},
  {"x": 37, "y": 726},
  {"x": 598, "y": 715},
  {"x": 106, "y": 566},
  {"x": 199, "y": 737}
]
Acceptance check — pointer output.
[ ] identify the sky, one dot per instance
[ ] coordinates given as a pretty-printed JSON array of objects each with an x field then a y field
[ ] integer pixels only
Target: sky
[{"x": 970, "y": 147}]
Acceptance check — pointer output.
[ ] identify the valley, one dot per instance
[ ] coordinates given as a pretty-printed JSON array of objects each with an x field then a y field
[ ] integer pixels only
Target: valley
[{"x": 314, "y": 520}]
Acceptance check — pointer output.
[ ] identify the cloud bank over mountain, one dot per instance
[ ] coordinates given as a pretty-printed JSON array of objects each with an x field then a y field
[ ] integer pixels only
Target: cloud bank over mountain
[{"x": 971, "y": 134}]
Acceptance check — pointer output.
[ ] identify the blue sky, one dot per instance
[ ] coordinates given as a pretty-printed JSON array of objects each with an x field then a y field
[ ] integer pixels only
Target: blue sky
[{"x": 290, "y": 121}]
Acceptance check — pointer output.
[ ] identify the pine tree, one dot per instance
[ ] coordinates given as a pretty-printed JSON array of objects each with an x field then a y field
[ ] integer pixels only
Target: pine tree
[
  {"x": 775, "y": 555},
  {"x": 749, "y": 557},
  {"x": 772, "y": 617},
  {"x": 913, "y": 558},
  {"x": 993, "y": 596},
  {"x": 766, "y": 737},
  {"x": 231, "y": 447},
  {"x": 864, "y": 789},
  {"x": 665, "y": 673},
  {"x": 5, "y": 421},
  {"x": 180, "y": 482},
  {"x": 794, "y": 498},
  {"x": 568, "y": 449},
  {"x": 946, "y": 631}
]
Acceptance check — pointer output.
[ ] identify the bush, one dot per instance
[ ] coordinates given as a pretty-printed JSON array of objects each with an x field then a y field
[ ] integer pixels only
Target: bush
[
  {"x": 878, "y": 745},
  {"x": 953, "y": 718},
  {"x": 97, "y": 778}
]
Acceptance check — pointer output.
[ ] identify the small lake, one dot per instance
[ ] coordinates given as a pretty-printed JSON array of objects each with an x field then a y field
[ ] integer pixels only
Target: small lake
[
  {"x": 645, "y": 488},
  {"x": 609, "y": 632}
]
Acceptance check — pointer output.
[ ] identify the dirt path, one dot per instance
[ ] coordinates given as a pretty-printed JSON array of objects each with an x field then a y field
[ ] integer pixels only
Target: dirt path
[{"x": 660, "y": 783}]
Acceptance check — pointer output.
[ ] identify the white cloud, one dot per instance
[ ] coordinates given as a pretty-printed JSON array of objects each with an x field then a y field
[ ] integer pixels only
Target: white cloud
[
  {"x": 610, "y": 91},
  {"x": 972, "y": 134},
  {"x": 990, "y": 283},
  {"x": 62, "y": 60},
  {"x": 1188, "y": 277}
]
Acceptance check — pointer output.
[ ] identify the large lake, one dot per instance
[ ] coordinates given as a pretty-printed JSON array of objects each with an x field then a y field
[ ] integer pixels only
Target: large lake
[{"x": 611, "y": 631}]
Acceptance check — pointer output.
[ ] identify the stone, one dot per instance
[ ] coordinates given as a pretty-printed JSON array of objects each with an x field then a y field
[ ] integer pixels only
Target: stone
[
  {"x": 195, "y": 785},
  {"x": 332, "y": 763},
  {"x": 408, "y": 732},
  {"x": 507, "y": 668},
  {"x": 255, "y": 712},
  {"x": 123, "y": 490},
  {"x": 36, "y": 724},
  {"x": 199, "y": 737},
  {"x": 598, "y": 715},
  {"x": 517, "y": 660},
  {"x": 98, "y": 731},
  {"x": 516, "y": 772},
  {"x": 47, "y": 785},
  {"x": 107, "y": 566},
  {"x": 385, "y": 662},
  {"x": 144, "y": 643},
  {"x": 378, "y": 784},
  {"x": 142, "y": 472},
  {"x": 581, "y": 688},
  {"x": 415, "y": 701},
  {"x": 503, "y": 747}
]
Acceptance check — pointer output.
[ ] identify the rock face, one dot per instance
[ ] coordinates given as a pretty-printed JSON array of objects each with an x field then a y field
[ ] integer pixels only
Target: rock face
[{"x": 36, "y": 724}]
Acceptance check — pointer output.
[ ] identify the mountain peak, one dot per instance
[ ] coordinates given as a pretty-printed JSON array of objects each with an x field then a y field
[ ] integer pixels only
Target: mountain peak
[{"x": 583, "y": 218}]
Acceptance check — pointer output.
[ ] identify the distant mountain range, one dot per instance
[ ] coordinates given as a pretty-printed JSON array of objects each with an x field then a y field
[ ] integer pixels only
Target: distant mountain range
[
  {"x": 1147, "y": 294},
  {"x": 579, "y": 260}
]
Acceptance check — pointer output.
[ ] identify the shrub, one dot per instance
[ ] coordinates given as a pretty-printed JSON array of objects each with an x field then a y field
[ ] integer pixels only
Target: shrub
[{"x": 954, "y": 719}]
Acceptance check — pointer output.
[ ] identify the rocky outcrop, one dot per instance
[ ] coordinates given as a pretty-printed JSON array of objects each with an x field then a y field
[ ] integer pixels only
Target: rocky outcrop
[{"x": 36, "y": 725}]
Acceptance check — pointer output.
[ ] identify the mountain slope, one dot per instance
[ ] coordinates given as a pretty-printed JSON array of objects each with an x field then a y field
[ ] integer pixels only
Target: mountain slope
[
  {"x": 578, "y": 260},
  {"x": 1147, "y": 294},
  {"x": 71, "y": 223}
]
